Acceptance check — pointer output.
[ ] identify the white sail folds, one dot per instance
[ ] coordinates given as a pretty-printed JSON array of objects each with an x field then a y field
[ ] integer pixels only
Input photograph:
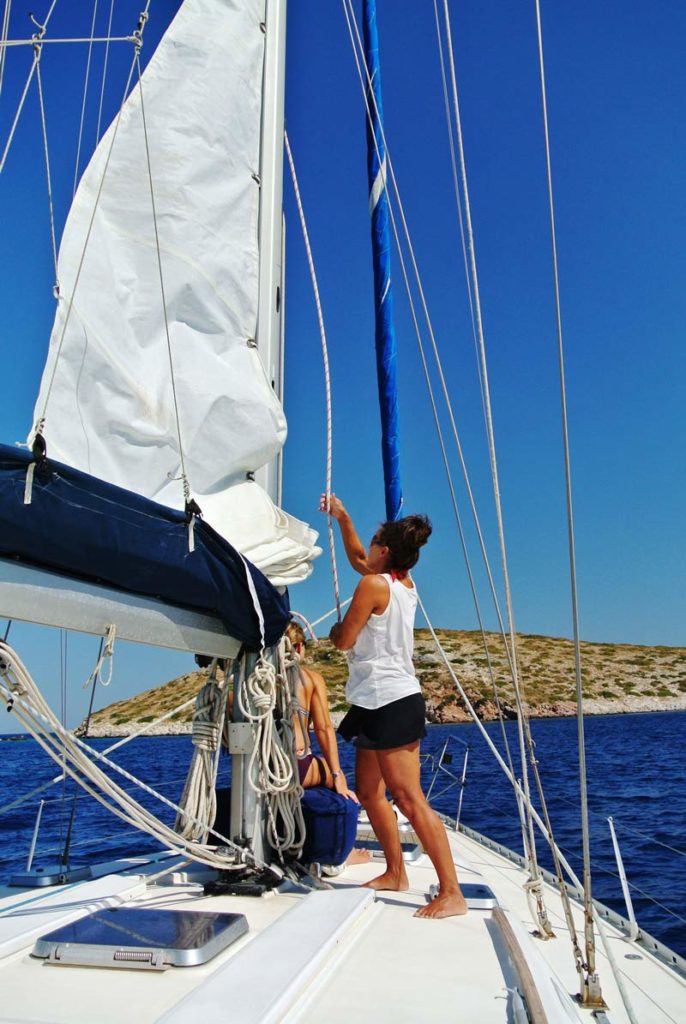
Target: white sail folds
[{"x": 111, "y": 404}]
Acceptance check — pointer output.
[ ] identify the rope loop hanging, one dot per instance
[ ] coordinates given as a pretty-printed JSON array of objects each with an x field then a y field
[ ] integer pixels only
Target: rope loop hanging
[{"x": 106, "y": 655}]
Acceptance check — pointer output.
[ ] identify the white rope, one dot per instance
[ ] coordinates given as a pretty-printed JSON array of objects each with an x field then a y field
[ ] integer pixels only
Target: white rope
[
  {"x": 108, "y": 750},
  {"x": 272, "y": 768},
  {"x": 23, "y": 697},
  {"x": 106, "y": 655},
  {"x": 85, "y": 97},
  {"x": 199, "y": 798},
  {"x": 327, "y": 375},
  {"x": 332, "y": 611},
  {"x": 306, "y": 623}
]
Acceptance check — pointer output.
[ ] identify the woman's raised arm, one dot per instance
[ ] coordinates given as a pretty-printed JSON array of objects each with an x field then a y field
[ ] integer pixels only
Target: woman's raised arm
[{"x": 354, "y": 548}]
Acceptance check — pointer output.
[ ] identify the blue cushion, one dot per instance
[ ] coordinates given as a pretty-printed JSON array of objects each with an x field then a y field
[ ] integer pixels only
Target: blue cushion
[{"x": 331, "y": 823}]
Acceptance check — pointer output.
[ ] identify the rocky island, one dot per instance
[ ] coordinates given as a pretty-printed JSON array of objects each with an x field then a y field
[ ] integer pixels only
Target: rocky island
[{"x": 617, "y": 678}]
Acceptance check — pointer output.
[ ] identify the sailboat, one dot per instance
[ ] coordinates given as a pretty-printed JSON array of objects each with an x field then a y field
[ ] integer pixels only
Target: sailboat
[{"x": 147, "y": 507}]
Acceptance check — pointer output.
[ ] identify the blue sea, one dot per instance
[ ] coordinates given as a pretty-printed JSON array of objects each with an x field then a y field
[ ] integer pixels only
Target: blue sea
[{"x": 636, "y": 774}]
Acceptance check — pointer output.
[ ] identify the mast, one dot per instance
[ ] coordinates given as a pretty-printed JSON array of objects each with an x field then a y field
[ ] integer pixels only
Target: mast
[
  {"x": 381, "y": 249},
  {"x": 270, "y": 232},
  {"x": 248, "y": 810}
]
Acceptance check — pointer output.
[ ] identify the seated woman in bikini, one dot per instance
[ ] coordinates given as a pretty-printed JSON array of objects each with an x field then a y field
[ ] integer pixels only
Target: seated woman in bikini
[{"x": 311, "y": 709}]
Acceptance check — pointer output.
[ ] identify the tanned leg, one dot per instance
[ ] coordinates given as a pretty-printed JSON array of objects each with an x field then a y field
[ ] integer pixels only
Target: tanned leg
[
  {"x": 400, "y": 770},
  {"x": 371, "y": 791}
]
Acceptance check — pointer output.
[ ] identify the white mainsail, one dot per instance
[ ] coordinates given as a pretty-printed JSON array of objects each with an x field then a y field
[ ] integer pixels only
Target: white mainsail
[{"x": 106, "y": 392}]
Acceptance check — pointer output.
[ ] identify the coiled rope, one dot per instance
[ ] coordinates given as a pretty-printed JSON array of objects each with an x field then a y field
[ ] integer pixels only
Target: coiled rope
[
  {"x": 199, "y": 797},
  {"x": 24, "y": 699},
  {"x": 264, "y": 700}
]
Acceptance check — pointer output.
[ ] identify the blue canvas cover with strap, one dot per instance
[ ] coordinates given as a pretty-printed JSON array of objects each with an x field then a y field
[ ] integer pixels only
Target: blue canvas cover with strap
[
  {"x": 330, "y": 825},
  {"x": 83, "y": 527}
]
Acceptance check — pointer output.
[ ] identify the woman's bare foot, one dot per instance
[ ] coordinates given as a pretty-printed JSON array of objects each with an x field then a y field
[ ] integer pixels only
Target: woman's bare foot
[
  {"x": 390, "y": 881},
  {"x": 450, "y": 904},
  {"x": 359, "y": 856}
]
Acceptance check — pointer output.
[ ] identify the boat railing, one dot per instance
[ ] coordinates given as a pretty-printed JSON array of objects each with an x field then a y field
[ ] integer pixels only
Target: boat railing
[{"x": 440, "y": 766}]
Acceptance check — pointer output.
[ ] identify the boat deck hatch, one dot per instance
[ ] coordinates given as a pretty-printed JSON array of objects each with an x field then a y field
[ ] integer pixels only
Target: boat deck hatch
[
  {"x": 410, "y": 851},
  {"x": 141, "y": 939}
]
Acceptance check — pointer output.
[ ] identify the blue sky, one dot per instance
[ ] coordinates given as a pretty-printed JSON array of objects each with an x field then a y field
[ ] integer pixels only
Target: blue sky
[{"x": 616, "y": 93}]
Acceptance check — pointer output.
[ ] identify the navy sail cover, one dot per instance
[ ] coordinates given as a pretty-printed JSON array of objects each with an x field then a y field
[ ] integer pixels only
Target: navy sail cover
[{"x": 86, "y": 528}]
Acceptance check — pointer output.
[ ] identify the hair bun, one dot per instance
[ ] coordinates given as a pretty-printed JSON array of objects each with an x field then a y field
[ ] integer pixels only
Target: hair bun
[{"x": 404, "y": 538}]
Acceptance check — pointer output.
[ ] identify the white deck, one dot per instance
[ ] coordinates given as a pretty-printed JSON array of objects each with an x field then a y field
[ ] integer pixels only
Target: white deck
[{"x": 337, "y": 956}]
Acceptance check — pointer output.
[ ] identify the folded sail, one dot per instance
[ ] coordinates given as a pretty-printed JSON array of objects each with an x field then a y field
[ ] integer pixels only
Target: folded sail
[{"x": 108, "y": 400}]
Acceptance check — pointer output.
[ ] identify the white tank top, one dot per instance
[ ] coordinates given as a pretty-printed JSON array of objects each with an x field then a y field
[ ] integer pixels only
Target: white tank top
[{"x": 380, "y": 662}]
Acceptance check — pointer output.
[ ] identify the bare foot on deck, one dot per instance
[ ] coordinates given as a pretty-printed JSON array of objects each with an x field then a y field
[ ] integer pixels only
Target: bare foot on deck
[
  {"x": 452, "y": 904},
  {"x": 359, "y": 856},
  {"x": 389, "y": 881}
]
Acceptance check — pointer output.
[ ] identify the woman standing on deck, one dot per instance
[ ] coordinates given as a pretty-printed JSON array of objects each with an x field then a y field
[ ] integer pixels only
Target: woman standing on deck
[{"x": 386, "y": 720}]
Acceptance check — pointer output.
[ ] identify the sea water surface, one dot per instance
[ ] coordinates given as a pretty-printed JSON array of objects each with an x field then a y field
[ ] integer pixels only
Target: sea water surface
[{"x": 636, "y": 774}]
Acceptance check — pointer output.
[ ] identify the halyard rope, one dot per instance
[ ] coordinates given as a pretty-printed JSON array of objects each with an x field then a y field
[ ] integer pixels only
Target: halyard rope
[{"x": 327, "y": 375}]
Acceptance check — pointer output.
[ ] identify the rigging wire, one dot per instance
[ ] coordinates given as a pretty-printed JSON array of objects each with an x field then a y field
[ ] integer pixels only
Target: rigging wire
[
  {"x": 524, "y": 741},
  {"x": 104, "y": 73},
  {"x": 456, "y": 188},
  {"x": 590, "y": 943},
  {"x": 36, "y": 41},
  {"x": 184, "y": 475},
  {"x": 4, "y": 32},
  {"x": 51, "y": 207},
  {"x": 523, "y": 724},
  {"x": 85, "y": 97},
  {"x": 39, "y": 426},
  {"x": 10, "y": 43},
  {"x": 349, "y": 15},
  {"x": 327, "y": 374}
]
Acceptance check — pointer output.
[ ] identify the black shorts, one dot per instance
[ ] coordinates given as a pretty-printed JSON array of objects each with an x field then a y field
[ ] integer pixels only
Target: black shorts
[{"x": 393, "y": 725}]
